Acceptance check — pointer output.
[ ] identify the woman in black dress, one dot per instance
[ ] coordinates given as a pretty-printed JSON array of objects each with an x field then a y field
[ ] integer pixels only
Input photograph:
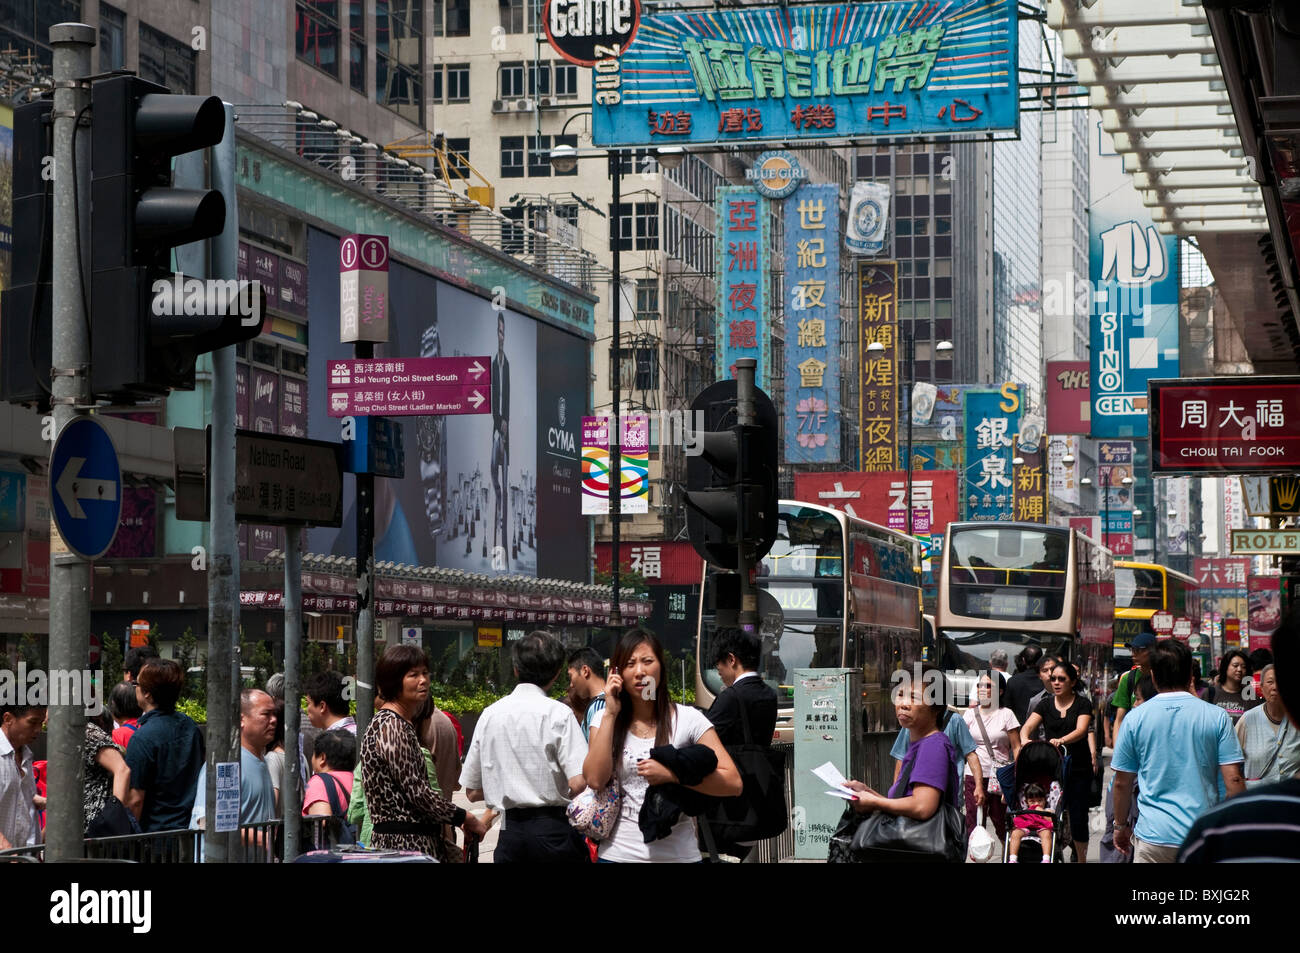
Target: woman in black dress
[
  {"x": 407, "y": 813},
  {"x": 1065, "y": 718}
]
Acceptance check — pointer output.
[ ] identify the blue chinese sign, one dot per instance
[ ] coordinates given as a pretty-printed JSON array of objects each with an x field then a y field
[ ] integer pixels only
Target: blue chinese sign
[
  {"x": 992, "y": 422},
  {"x": 1134, "y": 319},
  {"x": 814, "y": 72},
  {"x": 812, "y": 322},
  {"x": 743, "y": 267}
]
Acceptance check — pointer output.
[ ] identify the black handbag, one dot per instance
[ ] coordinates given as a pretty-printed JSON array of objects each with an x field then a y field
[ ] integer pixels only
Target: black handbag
[
  {"x": 840, "y": 850},
  {"x": 113, "y": 820},
  {"x": 890, "y": 838},
  {"x": 759, "y": 812}
]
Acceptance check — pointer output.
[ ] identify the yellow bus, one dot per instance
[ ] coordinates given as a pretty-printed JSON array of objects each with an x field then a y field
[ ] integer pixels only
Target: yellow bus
[{"x": 1142, "y": 590}]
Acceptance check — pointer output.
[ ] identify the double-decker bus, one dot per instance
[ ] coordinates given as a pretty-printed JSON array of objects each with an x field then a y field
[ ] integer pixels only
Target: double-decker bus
[
  {"x": 1142, "y": 590},
  {"x": 1008, "y": 585},
  {"x": 850, "y": 597}
]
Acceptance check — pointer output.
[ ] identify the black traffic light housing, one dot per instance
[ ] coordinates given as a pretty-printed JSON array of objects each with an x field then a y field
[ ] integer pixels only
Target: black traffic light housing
[
  {"x": 731, "y": 484},
  {"x": 145, "y": 339},
  {"x": 27, "y": 305}
]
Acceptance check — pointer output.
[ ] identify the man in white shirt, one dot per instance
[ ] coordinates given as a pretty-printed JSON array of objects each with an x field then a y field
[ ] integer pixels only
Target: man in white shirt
[
  {"x": 19, "y": 726},
  {"x": 525, "y": 761}
]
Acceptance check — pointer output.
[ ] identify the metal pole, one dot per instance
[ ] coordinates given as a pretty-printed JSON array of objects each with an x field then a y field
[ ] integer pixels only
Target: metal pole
[
  {"x": 909, "y": 356},
  {"x": 1105, "y": 509},
  {"x": 290, "y": 795},
  {"x": 223, "y": 559},
  {"x": 745, "y": 416},
  {"x": 70, "y": 355},
  {"x": 365, "y": 634},
  {"x": 616, "y": 423}
]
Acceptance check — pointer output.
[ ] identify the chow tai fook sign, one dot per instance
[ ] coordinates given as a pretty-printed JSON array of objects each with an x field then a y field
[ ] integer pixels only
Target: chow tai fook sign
[
  {"x": 1213, "y": 425},
  {"x": 806, "y": 72}
]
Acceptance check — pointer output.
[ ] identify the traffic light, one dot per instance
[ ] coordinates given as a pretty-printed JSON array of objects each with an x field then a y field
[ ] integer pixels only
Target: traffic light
[
  {"x": 27, "y": 304},
  {"x": 149, "y": 323},
  {"x": 731, "y": 483}
]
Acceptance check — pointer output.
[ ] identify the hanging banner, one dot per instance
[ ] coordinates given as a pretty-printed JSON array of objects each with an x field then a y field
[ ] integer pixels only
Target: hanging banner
[
  {"x": 992, "y": 420},
  {"x": 1063, "y": 478},
  {"x": 812, "y": 320},
  {"x": 1114, "y": 465},
  {"x": 868, "y": 220},
  {"x": 634, "y": 471},
  {"x": 810, "y": 72},
  {"x": 882, "y": 497},
  {"x": 1068, "y": 404},
  {"x": 878, "y": 391},
  {"x": 743, "y": 266},
  {"x": 1030, "y": 494},
  {"x": 1134, "y": 272}
]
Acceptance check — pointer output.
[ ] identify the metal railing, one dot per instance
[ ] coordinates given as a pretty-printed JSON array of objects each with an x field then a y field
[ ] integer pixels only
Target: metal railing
[
  {"x": 367, "y": 165},
  {"x": 779, "y": 848},
  {"x": 262, "y": 844}
]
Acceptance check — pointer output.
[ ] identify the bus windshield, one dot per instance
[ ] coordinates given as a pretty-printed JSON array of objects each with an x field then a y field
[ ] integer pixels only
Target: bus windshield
[
  {"x": 1138, "y": 588},
  {"x": 1005, "y": 556}
]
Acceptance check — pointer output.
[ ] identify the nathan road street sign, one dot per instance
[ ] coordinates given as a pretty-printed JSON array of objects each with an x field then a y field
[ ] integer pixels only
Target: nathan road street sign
[
  {"x": 1265, "y": 542},
  {"x": 288, "y": 481},
  {"x": 87, "y": 500},
  {"x": 410, "y": 386},
  {"x": 1162, "y": 623}
]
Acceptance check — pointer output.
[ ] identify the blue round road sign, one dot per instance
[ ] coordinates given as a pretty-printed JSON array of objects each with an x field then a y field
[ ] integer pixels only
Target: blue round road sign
[{"x": 85, "y": 487}]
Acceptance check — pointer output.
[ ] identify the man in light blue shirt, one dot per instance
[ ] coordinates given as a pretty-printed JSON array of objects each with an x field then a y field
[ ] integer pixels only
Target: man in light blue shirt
[
  {"x": 257, "y": 796},
  {"x": 1176, "y": 746}
]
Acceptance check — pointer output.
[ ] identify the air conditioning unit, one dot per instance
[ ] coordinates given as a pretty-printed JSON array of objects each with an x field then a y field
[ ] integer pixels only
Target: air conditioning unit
[
  {"x": 499, "y": 106},
  {"x": 525, "y": 105},
  {"x": 546, "y": 101}
]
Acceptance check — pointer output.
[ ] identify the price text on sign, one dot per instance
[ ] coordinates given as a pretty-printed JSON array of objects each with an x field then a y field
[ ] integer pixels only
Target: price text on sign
[{"x": 1207, "y": 426}]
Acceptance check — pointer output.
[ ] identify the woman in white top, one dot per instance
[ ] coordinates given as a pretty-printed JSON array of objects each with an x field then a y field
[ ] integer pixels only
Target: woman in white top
[
  {"x": 996, "y": 728},
  {"x": 634, "y": 721}
]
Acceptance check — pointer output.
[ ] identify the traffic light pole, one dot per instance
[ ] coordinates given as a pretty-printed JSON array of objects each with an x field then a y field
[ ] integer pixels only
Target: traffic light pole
[
  {"x": 70, "y": 386},
  {"x": 616, "y": 394},
  {"x": 745, "y": 416}
]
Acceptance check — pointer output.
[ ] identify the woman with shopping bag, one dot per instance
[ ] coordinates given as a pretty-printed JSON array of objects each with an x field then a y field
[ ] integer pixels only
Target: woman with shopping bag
[{"x": 997, "y": 732}]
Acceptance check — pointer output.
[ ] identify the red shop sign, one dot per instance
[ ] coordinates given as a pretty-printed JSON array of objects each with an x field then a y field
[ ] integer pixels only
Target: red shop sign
[{"x": 1209, "y": 426}]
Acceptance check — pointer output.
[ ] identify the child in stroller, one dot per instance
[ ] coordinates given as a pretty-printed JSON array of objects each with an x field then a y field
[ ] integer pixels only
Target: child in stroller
[{"x": 1035, "y": 820}]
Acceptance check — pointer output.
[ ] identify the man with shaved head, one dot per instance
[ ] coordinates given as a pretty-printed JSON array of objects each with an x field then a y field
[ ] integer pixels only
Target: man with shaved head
[{"x": 256, "y": 794}]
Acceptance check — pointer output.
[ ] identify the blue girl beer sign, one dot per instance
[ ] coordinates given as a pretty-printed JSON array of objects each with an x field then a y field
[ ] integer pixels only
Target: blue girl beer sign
[{"x": 776, "y": 174}]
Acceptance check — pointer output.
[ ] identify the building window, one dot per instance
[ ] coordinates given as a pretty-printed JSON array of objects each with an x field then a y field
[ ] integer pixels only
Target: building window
[
  {"x": 457, "y": 17},
  {"x": 512, "y": 157},
  {"x": 457, "y": 82},
  {"x": 167, "y": 61},
  {"x": 357, "y": 45},
  {"x": 316, "y": 36},
  {"x": 399, "y": 59},
  {"x": 539, "y": 156},
  {"x": 112, "y": 38},
  {"x": 566, "y": 81},
  {"x": 520, "y": 16},
  {"x": 539, "y": 79},
  {"x": 637, "y": 225},
  {"x": 510, "y": 81},
  {"x": 436, "y": 78},
  {"x": 458, "y": 157},
  {"x": 647, "y": 299},
  {"x": 512, "y": 233},
  {"x": 637, "y": 367}
]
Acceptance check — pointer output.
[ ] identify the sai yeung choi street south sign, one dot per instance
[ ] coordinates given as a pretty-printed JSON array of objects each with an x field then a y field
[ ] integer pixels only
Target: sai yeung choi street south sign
[
  {"x": 1225, "y": 425},
  {"x": 684, "y": 77}
]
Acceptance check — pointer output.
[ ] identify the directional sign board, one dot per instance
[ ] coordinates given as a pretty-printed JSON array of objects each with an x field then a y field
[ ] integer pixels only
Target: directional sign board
[
  {"x": 287, "y": 481},
  {"x": 410, "y": 386},
  {"x": 87, "y": 500},
  {"x": 1162, "y": 623}
]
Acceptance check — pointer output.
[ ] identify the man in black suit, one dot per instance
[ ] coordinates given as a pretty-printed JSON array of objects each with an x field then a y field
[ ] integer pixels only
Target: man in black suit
[
  {"x": 736, "y": 657},
  {"x": 1025, "y": 684},
  {"x": 500, "y": 443}
]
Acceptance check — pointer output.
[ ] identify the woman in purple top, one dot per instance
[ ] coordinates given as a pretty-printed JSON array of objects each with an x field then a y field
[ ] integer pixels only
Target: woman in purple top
[{"x": 929, "y": 759}]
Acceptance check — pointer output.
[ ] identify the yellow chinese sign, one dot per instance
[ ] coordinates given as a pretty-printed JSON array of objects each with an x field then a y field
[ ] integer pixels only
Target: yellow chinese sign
[
  {"x": 1029, "y": 489},
  {"x": 878, "y": 394}
]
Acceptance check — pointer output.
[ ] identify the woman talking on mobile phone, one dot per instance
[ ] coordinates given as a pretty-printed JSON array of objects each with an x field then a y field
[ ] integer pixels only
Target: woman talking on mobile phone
[{"x": 640, "y": 716}]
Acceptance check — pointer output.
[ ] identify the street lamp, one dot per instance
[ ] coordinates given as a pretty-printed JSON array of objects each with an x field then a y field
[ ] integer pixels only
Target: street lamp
[
  {"x": 909, "y": 360},
  {"x": 564, "y": 159},
  {"x": 1105, "y": 499}
]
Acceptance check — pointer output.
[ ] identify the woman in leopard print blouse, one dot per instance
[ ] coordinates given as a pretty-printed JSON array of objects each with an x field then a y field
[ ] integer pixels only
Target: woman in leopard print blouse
[{"x": 408, "y": 814}]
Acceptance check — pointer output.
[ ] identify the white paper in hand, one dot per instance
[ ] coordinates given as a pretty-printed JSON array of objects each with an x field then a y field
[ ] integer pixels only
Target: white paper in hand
[{"x": 831, "y": 775}]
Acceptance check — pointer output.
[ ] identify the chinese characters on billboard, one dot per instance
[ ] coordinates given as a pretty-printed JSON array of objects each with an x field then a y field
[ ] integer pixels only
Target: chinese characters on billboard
[
  {"x": 813, "y": 72},
  {"x": 812, "y": 347},
  {"x": 992, "y": 421},
  {"x": 878, "y": 394},
  {"x": 634, "y": 471},
  {"x": 743, "y": 268},
  {"x": 881, "y": 497},
  {"x": 1114, "y": 466},
  {"x": 1206, "y": 426},
  {"x": 1030, "y": 494}
]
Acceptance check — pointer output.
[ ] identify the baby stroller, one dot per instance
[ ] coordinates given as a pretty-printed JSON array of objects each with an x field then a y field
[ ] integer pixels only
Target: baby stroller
[{"x": 1045, "y": 765}]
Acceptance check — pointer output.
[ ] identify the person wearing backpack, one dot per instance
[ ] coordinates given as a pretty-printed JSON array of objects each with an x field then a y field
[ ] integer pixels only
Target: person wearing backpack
[
  {"x": 330, "y": 788},
  {"x": 125, "y": 709},
  {"x": 1123, "y": 700}
]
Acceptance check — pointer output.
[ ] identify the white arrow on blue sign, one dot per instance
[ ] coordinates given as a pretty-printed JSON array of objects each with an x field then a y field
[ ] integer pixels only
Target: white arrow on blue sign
[{"x": 87, "y": 481}]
